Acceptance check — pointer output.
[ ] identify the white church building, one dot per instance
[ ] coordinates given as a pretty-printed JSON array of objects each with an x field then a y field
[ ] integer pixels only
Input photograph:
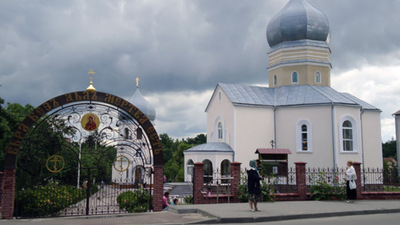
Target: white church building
[
  {"x": 299, "y": 117},
  {"x": 134, "y": 158}
]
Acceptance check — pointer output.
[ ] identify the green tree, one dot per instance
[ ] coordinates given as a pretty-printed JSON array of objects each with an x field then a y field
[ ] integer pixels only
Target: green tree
[
  {"x": 10, "y": 117},
  {"x": 173, "y": 154},
  {"x": 167, "y": 143},
  {"x": 46, "y": 138},
  {"x": 389, "y": 149}
]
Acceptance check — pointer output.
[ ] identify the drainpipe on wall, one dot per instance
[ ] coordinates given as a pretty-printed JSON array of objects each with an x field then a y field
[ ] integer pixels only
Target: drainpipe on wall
[
  {"x": 334, "y": 137},
  {"x": 362, "y": 138},
  {"x": 275, "y": 126},
  {"x": 234, "y": 135},
  {"x": 397, "y": 123}
]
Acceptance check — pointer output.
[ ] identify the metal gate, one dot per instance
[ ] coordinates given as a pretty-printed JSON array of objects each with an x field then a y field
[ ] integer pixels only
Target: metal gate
[{"x": 84, "y": 158}]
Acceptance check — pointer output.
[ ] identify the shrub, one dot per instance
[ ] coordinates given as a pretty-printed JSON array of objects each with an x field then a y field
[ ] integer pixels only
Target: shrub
[
  {"x": 134, "y": 201},
  {"x": 267, "y": 192},
  {"x": 322, "y": 190},
  {"x": 46, "y": 200},
  {"x": 188, "y": 199}
]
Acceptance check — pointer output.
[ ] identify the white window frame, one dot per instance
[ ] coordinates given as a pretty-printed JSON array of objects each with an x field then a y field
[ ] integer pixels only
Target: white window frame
[
  {"x": 220, "y": 131},
  {"x": 297, "y": 76},
  {"x": 299, "y": 132},
  {"x": 354, "y": 131},
  {"x": 318, "y": 77},
  {"x": 189, "y": 167}
]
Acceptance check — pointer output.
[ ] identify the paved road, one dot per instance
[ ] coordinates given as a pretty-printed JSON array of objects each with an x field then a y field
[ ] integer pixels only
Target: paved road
[
  {"x": 383, "y": 219},
  {"x": 299, "y": 212}
]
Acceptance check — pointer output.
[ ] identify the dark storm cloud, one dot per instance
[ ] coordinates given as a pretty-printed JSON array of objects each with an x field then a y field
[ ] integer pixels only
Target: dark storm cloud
[
  {"x": 174, "y": 46},
  {"x": 362, "y": 32}
]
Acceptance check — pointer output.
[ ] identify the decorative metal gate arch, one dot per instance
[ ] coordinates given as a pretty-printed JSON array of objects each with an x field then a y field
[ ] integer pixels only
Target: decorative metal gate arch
[{"x": 118, "y": 123}]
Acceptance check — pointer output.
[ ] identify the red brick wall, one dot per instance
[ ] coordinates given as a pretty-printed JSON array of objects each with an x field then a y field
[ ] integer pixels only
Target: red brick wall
[
  {"x": 235, "y": 173},
  {"x": 158, "y": 188},
  {"x": 357, "y": 168},
  {"x": 301, "y": 180},
  {"x": 8, "y": 192},
  {"x": 1, "y": 186},
  {"x": 198, "y": 183},
  {"x": 198, "y": 186}
]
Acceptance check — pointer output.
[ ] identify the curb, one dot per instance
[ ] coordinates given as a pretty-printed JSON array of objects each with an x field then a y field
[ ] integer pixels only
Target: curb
[{"x": 215, "y": 219}]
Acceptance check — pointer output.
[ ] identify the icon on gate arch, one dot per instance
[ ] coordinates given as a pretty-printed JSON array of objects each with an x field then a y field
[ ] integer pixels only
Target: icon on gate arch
[
  {"x": 119, "y": 164},
  {"x": 90, "y": 122},
  {"x": 55, "y": 163}
]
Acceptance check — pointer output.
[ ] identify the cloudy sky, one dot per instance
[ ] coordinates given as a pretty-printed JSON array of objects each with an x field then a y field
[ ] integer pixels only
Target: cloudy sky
[{"x": 181, "y": 49}]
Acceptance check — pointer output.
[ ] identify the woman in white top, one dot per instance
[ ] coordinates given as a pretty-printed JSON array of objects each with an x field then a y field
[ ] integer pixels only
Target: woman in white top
[{"x": 350, "y": 176}]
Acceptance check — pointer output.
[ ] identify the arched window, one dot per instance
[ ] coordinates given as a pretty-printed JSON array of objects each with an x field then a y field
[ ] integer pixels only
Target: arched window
[
  {"x": 275, "y": 80},
  {"x": 317, "y": 77},
  {"x": 295, "y": 77},
  {"x": 220, "y": 131},
  {"x": 139, "y": 133},
  {"x": 189, "y": 168},
  {"x": 347, "y": 134},
  {"x": 126, "y": 133},
  {"x": 225, "y": 170},
  {"x": 219, "y": 96},
  {"x": 304, "y": 136},
  {"x": 208, "y": 171}
]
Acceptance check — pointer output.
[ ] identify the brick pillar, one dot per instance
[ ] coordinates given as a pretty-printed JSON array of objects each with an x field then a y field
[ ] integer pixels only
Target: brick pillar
[
  {"x": 158, "y": 189},
  {"x": 235, "y": 173},
  {"x": 1, "y": 187},
  {"x": 8, "y": 192},
  {"x": 301, "y": 179},
  {"x": 198, "y": 183},
  {"x": 357, "y": 168}
]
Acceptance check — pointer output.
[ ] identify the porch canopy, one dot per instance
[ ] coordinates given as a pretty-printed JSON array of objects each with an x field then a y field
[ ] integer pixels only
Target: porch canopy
[{"x": 273, "y": 153}]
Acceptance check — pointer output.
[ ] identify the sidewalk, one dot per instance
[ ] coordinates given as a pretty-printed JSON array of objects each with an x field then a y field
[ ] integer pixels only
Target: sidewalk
[
  {"x": 229, "y": 213},
  {"x": 276, "y": 211}
]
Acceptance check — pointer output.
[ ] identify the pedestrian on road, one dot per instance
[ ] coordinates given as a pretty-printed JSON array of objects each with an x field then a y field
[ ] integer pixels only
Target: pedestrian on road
[
  {"x": 165, "y": 200},
  {"x": 254, "y": 187},
  {"x": 351, "y": 176}
]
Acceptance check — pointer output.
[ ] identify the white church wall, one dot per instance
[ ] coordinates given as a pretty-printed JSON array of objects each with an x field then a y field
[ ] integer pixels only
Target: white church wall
[
  {"x": 254, "y": 129},
  {"x": 220, "y": 109},
  {"x": 372, "y": 141},
  {"x": 353, "y": 115},
  {"x": 319, "y": 118}
]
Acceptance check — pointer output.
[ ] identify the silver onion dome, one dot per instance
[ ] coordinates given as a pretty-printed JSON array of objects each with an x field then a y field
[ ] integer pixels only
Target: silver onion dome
[
  {"x": 143, "y": 105},
  {"x": 298, "y": 20}
]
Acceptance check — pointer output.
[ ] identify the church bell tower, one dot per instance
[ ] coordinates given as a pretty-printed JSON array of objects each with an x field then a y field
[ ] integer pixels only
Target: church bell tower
[{"x": 299, "y": 39}]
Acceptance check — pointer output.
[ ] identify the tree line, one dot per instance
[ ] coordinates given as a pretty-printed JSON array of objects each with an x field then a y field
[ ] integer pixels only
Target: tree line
[
  {"x": 49, "y": 138},
  {"x": 12, "y": 114}
]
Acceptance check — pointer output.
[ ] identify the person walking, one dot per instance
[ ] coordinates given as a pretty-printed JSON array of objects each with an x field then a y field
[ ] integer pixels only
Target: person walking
[
  {"x": 351, "y": 176},
  {"x": 254, "y": 187}
]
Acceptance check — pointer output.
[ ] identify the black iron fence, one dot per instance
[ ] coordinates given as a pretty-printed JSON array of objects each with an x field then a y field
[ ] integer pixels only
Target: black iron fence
[
  {"x": 372, "y": 180},
  {"x": 378, "y": 179},
  {"x": 282, "y": 183},
  {"x": 66, "y": 200}
]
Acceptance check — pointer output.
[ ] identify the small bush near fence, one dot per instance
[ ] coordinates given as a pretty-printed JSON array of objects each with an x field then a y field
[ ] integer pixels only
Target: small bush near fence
[
  {"x": 322, "y": 190},
  {"x": 267, "y": 190},
  {"x": 134, "y": 201},
  {"x": 47, "y": 200},
  {"x": 188, "y": 199}
]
